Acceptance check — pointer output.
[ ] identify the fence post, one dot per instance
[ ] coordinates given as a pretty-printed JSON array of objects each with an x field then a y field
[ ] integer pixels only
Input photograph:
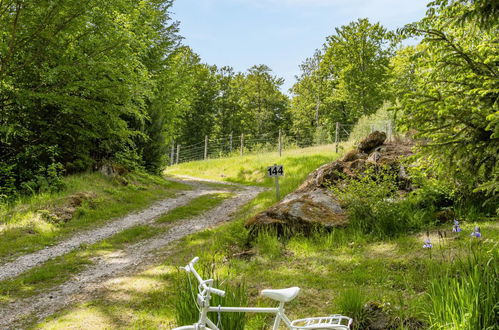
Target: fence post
[
  {"x": 178, "y": 152},
  {"x": 337, "y": 135},
  {"x": 230, "y": 143},
  {"x": 280, "y": 143},
  {"x": 242, "y": 143},
  {"x": 172, "y": 153},
  {"x": 205, "y": 146},
  {"x": 390, "y": 131}
]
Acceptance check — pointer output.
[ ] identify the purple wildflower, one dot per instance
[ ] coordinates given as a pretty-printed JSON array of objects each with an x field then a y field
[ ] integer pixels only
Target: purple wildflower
[
  {"x": 456, "y": 228},
  {"x": 427, "y": 244},
  {"x": 476, "y": 232}
]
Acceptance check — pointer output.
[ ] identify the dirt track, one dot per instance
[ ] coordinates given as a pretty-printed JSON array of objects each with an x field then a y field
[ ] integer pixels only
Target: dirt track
[{"x": 130, "y": 259}]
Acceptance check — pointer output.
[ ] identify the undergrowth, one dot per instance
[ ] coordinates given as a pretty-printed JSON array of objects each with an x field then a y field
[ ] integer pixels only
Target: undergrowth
[{"x": 375, "y": 208}]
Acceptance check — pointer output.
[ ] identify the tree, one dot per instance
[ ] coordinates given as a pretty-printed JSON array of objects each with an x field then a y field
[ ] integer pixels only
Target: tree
[
  {"x": 229, "y": 116},
  {"x": 265, "y": 106},
  {"x": 75, "y": 81},
  {"x": 357, "y": 58},
  {"x": 454, "y": 101},
  {"x": 309, "y": 110}
]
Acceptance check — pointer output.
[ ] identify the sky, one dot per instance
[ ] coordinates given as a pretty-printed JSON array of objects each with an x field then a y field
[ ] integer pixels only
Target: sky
[{"x": 278, "y": 33}]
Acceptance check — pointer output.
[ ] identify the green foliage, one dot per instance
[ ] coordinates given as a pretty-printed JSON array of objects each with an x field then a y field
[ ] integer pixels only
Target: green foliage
[
  {"x": 347, "y": 79},
  {"x": 374, "y": 208},
  {"x": 358, "y": 55},
  {"x": 380, "y": 120},
  {"x": 451, "y": 99},
  {"x": 186, "y": 285},
  {"x": 75, "y": 78},
  {"x": 466, "y": 295},
  {"x": 351, "y": 302}
]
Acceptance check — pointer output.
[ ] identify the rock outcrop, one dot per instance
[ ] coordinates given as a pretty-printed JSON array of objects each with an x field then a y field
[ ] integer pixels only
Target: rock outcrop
[{"x": 313, "y": 204}]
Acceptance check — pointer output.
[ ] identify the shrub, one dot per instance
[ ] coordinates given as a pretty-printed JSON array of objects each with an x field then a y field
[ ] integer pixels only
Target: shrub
[
  {"x": 374, "y": 208},
  {"x": 186, "y": 309},
  {"x": 379, "y": 121}
]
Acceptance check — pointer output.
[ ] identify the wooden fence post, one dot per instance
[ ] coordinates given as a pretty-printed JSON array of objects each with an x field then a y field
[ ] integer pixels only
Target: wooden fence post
[
  {"x": 242, "y": 143},
  {"x": 337, "y": 136},
  {"x": 205, "y": 146},
  {"x": 172, "y": 153},
  {"x": 280, "y": 143},
  {"x": 230, "y": 143},
  {"x": 178, "y": 152}
]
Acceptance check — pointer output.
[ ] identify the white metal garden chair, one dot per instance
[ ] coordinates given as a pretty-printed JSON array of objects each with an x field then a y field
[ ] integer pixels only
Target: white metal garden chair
[{"x": 336, "y": 321}]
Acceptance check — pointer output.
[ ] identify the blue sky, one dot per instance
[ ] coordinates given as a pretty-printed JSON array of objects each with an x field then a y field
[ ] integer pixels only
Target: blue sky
[{"x": 278, "y": 33}]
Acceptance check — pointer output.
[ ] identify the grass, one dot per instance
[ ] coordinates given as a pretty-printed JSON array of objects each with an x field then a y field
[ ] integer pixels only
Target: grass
[
  {"x": 334, "y": 277},
  {"x": 470, "y": 300},
  {"x": 25, "y": 226},
  {"x": 251, "y": 169},
  {"x": 60, "y": 269},
  {"x": 338, "y": 270},
  {"x": 195, "y": 207}
]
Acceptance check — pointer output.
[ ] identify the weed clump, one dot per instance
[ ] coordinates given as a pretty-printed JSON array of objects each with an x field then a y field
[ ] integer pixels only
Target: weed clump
[{"x": 186, "y": 308}]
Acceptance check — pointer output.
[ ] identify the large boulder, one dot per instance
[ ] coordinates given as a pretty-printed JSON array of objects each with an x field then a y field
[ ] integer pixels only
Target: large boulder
[
  {"x": 313, "y": 205},
  {"x": 373, "y": 140},
  {"x": 302, "y": 212}
]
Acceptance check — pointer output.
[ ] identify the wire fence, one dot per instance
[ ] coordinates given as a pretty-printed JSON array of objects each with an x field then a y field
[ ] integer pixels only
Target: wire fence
[{"x": 239, "y": 145}]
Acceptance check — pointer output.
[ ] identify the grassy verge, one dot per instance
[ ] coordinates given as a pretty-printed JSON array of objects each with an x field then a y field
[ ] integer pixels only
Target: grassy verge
[
  {"x": 60, "y": 269},
  {"x": 32, "y": 223}
]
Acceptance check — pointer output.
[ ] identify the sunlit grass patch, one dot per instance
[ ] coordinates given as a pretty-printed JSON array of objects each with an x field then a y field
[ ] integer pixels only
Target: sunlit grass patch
[
  {"x": 195, "y": 207},
  {"x": 82, "y": 317},
  {"x": 251, "y": 169},
  {"x": 27, "y": 225},
  {"x": 60, "y": 269}
]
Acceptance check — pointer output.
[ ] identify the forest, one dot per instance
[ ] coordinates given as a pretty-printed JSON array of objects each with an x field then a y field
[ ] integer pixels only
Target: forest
[{"x": 84, "y": 83}]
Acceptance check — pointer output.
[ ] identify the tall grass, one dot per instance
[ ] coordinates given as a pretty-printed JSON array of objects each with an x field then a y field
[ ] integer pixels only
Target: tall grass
[
  {"x": 351, "y": 302},
  {"x": 267, "y": 244},
  {"x": 467, "y": 296},
  {"x": 186, "y": 309}
]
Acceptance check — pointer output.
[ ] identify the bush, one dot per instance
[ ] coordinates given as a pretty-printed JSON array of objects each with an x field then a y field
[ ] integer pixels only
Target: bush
[
  {"x": 186, "y": 311},
  {"x": 7, "y": 181},
  {"x": 374, "y": 208}
]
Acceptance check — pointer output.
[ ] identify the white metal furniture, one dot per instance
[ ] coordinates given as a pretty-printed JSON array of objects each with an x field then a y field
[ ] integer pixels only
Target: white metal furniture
[{"x": 336, "y": 321}]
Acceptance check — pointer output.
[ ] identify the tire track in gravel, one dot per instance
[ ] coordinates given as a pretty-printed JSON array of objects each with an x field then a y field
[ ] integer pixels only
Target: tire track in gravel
[
  {"x": 128, "y": 260},
  {"x": 28, "y": 261}
]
